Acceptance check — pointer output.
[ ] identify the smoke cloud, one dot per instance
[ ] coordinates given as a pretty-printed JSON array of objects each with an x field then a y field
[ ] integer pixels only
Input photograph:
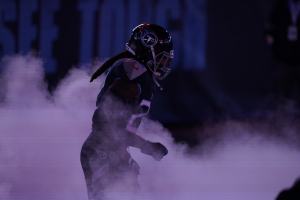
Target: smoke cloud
[{"x": 41, "y": 137}]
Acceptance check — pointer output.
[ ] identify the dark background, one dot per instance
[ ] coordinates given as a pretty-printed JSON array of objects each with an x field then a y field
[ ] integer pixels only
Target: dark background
[
  {"x": 238, "y": 79},
  {"x": 222, "y": 69}
]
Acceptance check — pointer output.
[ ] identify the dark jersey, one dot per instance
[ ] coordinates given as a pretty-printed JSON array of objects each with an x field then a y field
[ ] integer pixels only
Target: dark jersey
[{"x": 130, "y": 84}]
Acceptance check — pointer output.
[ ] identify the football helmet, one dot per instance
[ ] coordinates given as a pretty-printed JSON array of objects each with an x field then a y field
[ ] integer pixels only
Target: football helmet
[{"x": 152, "y": 45}]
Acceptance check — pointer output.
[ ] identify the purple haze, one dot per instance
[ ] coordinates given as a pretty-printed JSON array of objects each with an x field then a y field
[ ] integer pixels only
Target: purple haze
[{"x": 41, "y": 137}]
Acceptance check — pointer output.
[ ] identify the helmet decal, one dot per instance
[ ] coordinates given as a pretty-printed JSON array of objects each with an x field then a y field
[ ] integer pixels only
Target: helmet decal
[{"x": 149, "y": 39}]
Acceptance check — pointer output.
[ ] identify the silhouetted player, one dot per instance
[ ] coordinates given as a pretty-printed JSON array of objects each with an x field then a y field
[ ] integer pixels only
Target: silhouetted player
[{"x": 121, "y": 104}]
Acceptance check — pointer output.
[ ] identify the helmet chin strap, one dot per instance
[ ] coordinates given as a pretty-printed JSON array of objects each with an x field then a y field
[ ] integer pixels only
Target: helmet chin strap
[
  {"x": 154, "y": 72},
  {"x": 153, "y": 76},
  {"x": 157, "y": 84},
  {"x": 128, "y": 48},
  {"x": 154, "y": 58}
]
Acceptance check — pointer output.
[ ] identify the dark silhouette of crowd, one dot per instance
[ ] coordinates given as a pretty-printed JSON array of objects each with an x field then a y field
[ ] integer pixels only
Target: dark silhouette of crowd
[{"x": 283, "y": 35}]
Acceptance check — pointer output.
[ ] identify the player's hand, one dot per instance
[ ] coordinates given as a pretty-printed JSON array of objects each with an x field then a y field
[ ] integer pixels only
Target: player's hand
[{"x": 155, "y": 149}]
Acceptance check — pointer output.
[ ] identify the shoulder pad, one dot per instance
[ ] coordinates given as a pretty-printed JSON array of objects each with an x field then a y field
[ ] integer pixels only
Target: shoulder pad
[{"x": 133, "y": 68}]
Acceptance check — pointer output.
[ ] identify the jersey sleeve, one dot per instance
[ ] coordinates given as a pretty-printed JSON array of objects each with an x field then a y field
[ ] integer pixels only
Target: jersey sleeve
[
  {"x": 143, "y": 108},
  {"x": 118, "y": 78},
  {"x": 114, "y": 73}
]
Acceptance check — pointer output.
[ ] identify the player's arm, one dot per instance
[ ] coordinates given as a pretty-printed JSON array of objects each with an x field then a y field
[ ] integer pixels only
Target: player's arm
[
  {"x": 156, "y": 150},
  {"x": 136, "y": 118},
  {"x": 112, "y": 76}
]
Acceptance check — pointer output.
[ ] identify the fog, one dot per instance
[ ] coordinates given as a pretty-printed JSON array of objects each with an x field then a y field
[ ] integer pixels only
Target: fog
[{"x": 41, "y": 137}]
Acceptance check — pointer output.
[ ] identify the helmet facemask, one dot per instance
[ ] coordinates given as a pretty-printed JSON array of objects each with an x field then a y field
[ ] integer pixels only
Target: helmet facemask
[{"x": 160, "y": 64}]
